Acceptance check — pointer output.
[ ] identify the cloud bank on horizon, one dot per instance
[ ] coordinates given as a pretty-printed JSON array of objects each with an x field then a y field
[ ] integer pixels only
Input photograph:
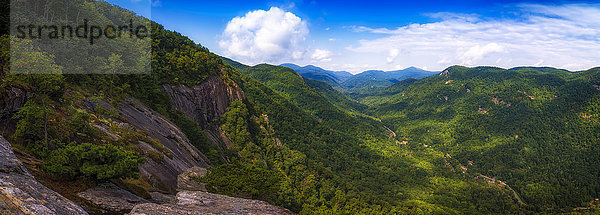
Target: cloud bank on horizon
[{"x": 563, "y": 36}]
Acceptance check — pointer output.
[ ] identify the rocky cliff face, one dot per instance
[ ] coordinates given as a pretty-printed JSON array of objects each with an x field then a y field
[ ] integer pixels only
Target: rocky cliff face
[
  {"x": 206, "y": 101},
  {"x": 162, "y": 175},
  {"x": 20, "y": 193}
]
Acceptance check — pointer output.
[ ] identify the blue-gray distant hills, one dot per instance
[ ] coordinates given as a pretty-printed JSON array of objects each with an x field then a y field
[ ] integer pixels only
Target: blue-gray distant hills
[
  {"x": 320, "y": 74},
  {"x": 371, "y": 79}
]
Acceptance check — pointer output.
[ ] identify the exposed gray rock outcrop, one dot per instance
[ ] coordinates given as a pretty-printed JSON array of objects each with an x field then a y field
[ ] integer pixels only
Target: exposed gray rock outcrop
[
  {"x": 20, "y": 193},
  {"x": 197, "y": 202},
  {"x": 204, "y": 102},
  {"x": 162, "y": 198},
  {"x": 9, "y": 163},
  {"x": 193, "y": 199},
  {"x": 163, "y": 174},
  {"x": 14, "y": 99},
  {"x": 111, "y": 199}
]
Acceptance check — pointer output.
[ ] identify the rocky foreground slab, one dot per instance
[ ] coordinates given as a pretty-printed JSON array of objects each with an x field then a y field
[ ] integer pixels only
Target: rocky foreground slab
[
  {"x": 20, "y": 193},
  {"x": 198, "y": 202}
]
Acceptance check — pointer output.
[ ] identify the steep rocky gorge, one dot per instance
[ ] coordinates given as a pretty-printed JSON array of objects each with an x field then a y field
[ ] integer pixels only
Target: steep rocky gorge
[
  {"x": 174, "y": 191},
  {"x": 203, "y": 103}
]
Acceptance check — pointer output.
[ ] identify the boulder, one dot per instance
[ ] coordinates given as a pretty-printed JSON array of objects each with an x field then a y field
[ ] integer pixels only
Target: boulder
[{"x": 111, "y": 199}]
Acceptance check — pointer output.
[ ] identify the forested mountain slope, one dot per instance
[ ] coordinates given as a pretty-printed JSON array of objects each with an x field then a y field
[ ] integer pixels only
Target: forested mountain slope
[
  {"x": 335, "y": 97},
  {"x": 295, "y": 88},
  {"x": 537, "y": 129},
  {"x": 415, "y": 170}
]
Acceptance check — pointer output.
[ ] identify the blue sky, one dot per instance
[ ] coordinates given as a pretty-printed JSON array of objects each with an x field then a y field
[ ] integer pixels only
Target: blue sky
[{"x": 361, "y": 35}]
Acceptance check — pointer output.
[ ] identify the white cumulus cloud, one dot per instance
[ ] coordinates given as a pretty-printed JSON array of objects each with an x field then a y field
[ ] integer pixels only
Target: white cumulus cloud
[{"x": 265, "y": 36}]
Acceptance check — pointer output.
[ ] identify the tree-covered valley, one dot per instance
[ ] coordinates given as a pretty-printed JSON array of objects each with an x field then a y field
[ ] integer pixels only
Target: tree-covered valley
[{"x": 468, "y": 140}]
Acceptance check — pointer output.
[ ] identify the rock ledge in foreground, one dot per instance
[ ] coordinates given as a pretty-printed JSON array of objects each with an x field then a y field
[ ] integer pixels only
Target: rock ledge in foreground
[
  {"x": 20, "y": 193},
  {"x": 197, "y": 202}
]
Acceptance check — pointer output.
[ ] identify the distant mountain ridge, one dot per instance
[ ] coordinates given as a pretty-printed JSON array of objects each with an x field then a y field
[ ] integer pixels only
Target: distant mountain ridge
[
  {"x": 316, "y": 73},
  {"x": 367, "y": 79}
]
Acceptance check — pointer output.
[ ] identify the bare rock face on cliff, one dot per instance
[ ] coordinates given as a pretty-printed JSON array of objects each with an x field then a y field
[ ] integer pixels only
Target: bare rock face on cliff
[
  {"x": 198, "y": 202},
  {"x": 12, "y": 99},
  {"x": 20, "y": 193},
  {"x": 163, "y": 174},
  {"x": 206, "y": 101}
]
